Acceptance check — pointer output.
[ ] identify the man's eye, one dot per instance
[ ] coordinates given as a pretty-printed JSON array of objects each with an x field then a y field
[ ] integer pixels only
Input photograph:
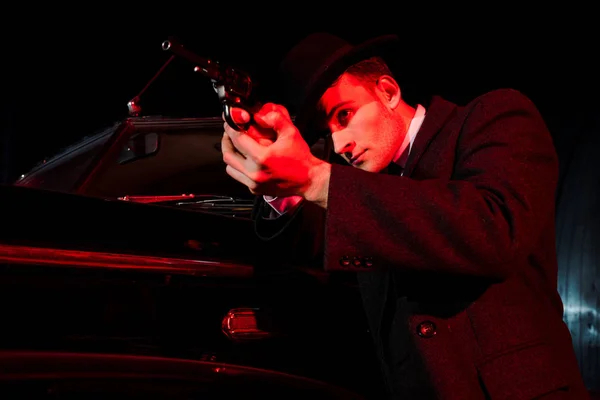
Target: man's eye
[{"x": 343, "y": 117}]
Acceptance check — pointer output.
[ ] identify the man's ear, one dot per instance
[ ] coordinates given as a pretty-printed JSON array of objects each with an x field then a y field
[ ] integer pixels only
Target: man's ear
[{"x": 389, "y": 90}]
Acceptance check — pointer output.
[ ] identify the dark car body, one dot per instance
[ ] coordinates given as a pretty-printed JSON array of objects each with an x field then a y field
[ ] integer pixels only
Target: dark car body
[{"x": 135, "y": 243}]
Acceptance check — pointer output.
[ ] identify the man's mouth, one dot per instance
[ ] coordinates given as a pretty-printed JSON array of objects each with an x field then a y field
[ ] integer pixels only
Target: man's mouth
[{"x": 357, "y": 159}]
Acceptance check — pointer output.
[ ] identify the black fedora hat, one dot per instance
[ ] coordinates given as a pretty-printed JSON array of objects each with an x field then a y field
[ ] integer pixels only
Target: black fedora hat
[{"x": 312, "y": 65}]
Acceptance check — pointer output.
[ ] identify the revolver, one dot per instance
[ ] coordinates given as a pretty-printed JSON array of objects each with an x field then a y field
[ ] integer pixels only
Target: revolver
[{"x": 233, "y": 87}]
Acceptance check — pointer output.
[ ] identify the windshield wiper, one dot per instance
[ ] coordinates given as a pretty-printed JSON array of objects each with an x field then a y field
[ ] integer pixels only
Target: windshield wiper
[
  {"x": 159, "y": 199},
  {"x": 220, "y": 204}
]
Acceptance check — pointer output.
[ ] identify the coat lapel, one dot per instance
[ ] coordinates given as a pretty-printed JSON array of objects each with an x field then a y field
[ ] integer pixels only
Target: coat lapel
[{"x": 438, "y": 113}]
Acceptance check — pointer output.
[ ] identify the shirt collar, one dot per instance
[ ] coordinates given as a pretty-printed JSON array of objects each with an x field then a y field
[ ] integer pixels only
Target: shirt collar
[{"x": 414, "y": 126}]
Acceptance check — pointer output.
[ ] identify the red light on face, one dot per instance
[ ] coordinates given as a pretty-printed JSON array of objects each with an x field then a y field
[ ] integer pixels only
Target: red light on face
[{"x": 240, "y": 324}]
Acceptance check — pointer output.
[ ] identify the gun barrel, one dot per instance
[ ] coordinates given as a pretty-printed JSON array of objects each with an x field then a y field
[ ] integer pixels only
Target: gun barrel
[{"x": 209, "y": 67}]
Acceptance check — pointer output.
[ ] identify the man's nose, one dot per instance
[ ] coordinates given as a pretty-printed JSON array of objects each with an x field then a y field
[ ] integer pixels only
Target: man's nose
[{"x": 342, "y": 143}]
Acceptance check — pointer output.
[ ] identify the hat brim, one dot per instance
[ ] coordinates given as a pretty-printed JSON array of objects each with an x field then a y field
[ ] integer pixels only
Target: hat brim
[{"x": 379, "y": 46}]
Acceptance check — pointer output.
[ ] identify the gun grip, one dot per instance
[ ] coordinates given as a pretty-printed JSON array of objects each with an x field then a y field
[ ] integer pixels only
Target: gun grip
[{"x": 229, "y": 119}]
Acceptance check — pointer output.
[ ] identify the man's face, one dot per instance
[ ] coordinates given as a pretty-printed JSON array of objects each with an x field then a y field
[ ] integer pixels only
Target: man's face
[{"x": 364, "y": 128}]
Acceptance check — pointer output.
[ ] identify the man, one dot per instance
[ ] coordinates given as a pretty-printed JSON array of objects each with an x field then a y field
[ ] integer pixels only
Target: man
[{"x": 446, "y": 214}]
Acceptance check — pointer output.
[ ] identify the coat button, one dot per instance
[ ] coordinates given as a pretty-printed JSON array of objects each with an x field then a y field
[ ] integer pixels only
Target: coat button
[
  {"x": 345, "y": 261},
  {"x": 426, "y": 329}
]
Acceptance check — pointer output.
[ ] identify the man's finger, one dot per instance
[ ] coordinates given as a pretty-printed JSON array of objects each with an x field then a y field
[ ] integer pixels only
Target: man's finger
[
  {"x": 240, "y": 177},
  {"x": 239, "y": 115},
  {"x": 277, "y": 120},
  {"x": 247, "y": 145},
  {"x": 230, "y": 132},
  {"x": 232, "y": 135},
  {"x": 231, "y": 155}
]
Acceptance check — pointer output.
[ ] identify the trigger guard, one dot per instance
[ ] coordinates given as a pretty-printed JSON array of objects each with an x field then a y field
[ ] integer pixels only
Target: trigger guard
[{"x": 231, "y": 122}]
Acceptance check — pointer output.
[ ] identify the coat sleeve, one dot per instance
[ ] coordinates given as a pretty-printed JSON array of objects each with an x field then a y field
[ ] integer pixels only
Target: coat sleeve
[
  {"x": 295, "y": 237},
  {"x": 491, "y": 211}
]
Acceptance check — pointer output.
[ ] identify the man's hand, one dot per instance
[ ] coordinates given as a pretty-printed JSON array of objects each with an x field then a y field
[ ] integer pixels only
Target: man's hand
[
  {"x": 240, "y": 116},
  {"x": 272, "y": 158}
]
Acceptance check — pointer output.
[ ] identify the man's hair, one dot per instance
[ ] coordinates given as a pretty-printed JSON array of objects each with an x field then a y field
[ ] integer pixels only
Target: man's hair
[{"x": 368, "y": 71}]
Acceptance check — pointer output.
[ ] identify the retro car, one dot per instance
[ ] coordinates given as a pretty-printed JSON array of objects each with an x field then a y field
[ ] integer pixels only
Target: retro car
[{"x": 131, "y": 257}]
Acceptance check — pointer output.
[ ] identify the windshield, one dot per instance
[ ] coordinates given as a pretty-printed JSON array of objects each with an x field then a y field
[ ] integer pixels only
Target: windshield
[
  {"x": 62, "y": 171},
  {"x": 165, "y": 161}
]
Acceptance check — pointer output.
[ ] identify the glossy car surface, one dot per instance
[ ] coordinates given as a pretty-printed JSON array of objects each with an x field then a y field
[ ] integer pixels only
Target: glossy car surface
[{"x": 135, "y": 242}]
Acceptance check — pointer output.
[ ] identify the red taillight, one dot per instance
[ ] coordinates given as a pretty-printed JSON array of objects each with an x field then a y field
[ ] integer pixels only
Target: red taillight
[{"x": 240, "y": 324}]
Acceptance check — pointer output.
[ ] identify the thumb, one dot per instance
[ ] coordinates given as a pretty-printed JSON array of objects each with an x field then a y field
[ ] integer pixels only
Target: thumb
[{"x": 276, "y": 120}]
